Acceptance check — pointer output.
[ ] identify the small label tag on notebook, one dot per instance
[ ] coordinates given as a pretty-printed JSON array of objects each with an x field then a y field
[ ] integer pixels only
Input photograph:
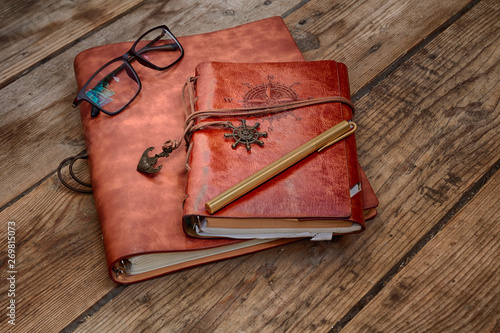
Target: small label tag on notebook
[
  {"x": 355, "y": 189},
  {"x": 326, "y": 236}
]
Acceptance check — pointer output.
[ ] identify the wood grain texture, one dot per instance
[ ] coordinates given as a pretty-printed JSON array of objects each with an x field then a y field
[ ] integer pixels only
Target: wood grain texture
[
  {"x": 453, "y": 284},
  {"x": 426, "y": 134},
  {"x": 38, "y": 126},
  {"x": 366, "y": 35},
  {"x": 60, "y": 262},
  {"x": 62, "y": 269},
  {"x": 31, "y": 31}
]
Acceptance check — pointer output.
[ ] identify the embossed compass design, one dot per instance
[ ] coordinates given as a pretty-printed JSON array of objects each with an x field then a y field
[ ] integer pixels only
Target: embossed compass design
[
  {"x": 246, "y": 134},
  {"x": 270, "y": 93}
]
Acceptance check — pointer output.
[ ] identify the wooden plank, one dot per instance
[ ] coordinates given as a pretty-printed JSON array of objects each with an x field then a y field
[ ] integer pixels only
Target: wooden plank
[
  {"x": 39, "y": 128},
  {"x": 42, "y": 127},
  {"x": 60, "y": 262},
  {"x": 366, "y": 35},
  {"x": 426, "y": 134},
  {"x": 264, "y": 265},
  {"x": 453, "y": 284},
  {"x": 32, "y": 31}
]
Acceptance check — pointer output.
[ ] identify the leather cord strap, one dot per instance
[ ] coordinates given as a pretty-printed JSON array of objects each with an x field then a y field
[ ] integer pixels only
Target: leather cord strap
[
  {"x": 72, "y": 161},
  {"x": 189, "y": 104},
  {"x": 190, "y": 126}
]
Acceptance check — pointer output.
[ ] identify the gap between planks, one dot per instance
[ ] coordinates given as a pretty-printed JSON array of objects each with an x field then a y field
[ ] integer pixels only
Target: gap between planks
[
  {"x": 464, "y": 200},
  {"x": 38, "y": 183},
  {"x": 29, "y": 68},
  {"x": 297, "y": 7},
  {"x": 398, "y": 62},
  {"x": 364, "y": 90},
  {"x": 462, "y": 264}
]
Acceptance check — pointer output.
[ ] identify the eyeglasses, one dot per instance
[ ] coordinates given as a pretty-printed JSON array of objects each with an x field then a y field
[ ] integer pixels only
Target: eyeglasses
[{"x": 116, "y": 84}]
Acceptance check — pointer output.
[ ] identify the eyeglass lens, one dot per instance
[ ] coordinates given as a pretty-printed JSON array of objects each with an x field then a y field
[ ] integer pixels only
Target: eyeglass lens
[
  {"x": 113, "y": 87},
  {"x": 116, "y": 84},
  {"x": 159, "y": 48}
]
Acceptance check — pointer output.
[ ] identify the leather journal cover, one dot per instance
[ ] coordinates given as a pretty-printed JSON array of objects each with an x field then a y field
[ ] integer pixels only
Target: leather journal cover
[
  {"x": 141, "y": 215},
  {"x": 317, "y": 197}
]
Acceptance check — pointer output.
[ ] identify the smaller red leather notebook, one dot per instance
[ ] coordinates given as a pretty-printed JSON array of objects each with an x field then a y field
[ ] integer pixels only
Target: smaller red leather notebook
[{"x": 318, "y": 197}]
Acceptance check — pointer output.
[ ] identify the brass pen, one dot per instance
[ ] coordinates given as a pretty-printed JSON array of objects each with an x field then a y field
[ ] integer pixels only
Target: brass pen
[{"x": 322, "y": 141}]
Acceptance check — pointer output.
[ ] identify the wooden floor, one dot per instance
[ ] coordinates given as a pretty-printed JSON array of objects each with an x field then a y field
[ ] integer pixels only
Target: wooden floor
[{"x": 425, "y": 78}]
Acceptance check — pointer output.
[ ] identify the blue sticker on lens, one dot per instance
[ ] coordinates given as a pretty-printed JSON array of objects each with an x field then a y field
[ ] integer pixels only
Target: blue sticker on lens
[{"x": 100, "y": 94}]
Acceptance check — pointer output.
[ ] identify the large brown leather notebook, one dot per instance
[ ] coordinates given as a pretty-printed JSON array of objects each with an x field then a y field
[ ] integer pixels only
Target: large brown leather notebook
[
  {"x": 141, "y": 215},
  {"x": 318, "y": 197}
]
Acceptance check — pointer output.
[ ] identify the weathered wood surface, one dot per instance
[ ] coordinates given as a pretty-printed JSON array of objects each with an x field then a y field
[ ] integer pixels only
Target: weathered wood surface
[
  {"x": 38, "y": 129},
  {"x": 427, "y": 134},
  {"x": 60, "y": 258},
  {"x": 368, "y": 36},
  {"x": 38, "y": 134},
  {"x": 452, "y": 284},
  {"x": 431, "y": 136},
  {"x": 32, "y": 31}
]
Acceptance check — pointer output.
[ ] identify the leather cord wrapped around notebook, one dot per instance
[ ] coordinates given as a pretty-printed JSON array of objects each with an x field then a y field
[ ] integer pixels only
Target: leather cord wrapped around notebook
[
  {"x": 318, "y": 197},
  {"x": 141, "y": 215}
]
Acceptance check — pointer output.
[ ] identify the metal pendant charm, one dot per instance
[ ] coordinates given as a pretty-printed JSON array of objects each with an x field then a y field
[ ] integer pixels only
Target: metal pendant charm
[
  {"x": 246, "y": 135},
  {"x": 146, "y": 163}
]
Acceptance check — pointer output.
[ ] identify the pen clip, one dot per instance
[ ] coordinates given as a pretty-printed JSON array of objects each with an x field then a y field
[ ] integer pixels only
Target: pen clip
[{"x": 343, "y": 136}]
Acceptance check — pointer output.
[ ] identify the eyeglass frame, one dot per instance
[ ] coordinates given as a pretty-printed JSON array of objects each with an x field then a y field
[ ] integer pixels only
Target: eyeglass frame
[{"x": 126, "y": 58}]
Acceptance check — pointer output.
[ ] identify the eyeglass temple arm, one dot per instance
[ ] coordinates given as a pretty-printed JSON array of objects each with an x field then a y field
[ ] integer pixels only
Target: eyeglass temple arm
[
  {"x": 169, "y": 47},
  {"x": 172, "y": 46},
  {"x": 131, "y": 58}
]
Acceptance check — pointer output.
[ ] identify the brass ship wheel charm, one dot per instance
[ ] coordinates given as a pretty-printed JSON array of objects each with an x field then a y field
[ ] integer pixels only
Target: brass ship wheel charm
[{"x": 245, "y": 135}]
